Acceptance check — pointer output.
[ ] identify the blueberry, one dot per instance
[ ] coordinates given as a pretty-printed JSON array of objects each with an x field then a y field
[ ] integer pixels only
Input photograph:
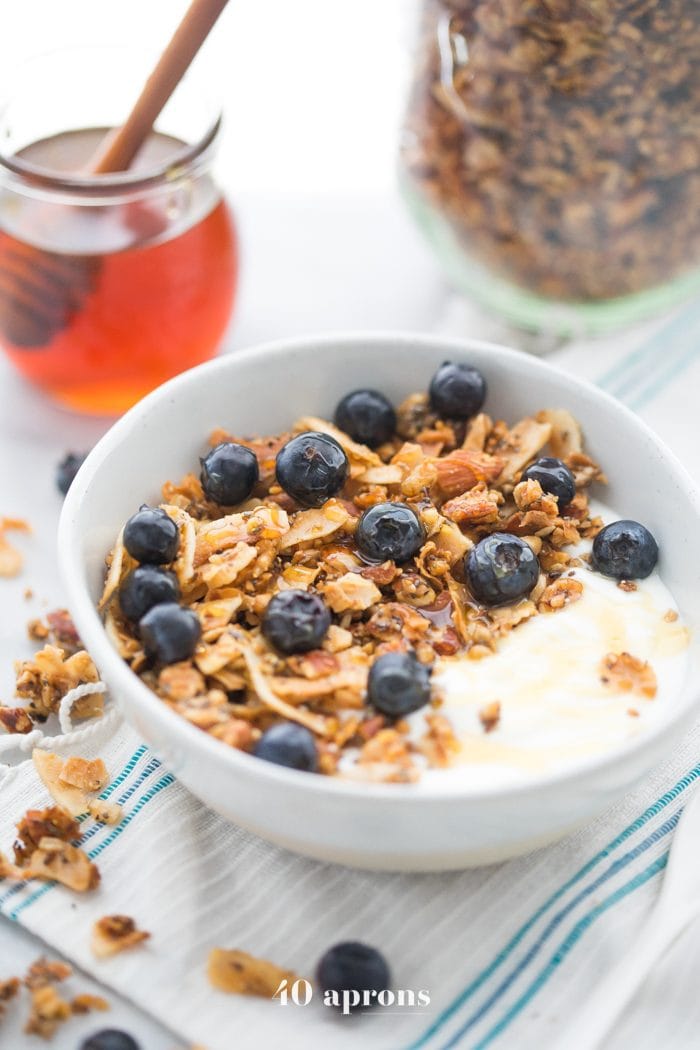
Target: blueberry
[
  {"x": 288, "y": 744},
  {"x": 624, "y": 550},
  {"x": 110, "y": 1039},
  {"x": 144, "y": 587},
  {"x": 295, "y": 621},
  {"x": 457, "y": 391},
  {"x": 366, "y": 416},
  {"x": 67, "y": 469},
  {"x": 555, "y": 478},
  {"x": 353, "y": 966},
  {"x": 151, "y": 536},
  {"x": 229, "y": 474},
  {"x": 398, "y": 684},
  {"x": 389, "y": 531},
  {"x": 312, "y": 467},
  {"x": 169, "y": 633},
  {"x": 501, "y": 568}
]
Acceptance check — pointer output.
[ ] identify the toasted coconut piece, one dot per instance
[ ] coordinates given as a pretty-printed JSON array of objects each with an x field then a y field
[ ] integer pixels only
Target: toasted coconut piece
[
  {"x": 38, "y": 823},
  {"x": 69, "y": 797},
  {"x": 87, "y": 775},
  {"x": 128, "y": 647},
  {"x": 48, "y": 1010},
  {"x": 384, "y": 474},
  {"x": 478, "y": 430},
  {"x": 626, "y": 673},
  {"x": 105, "y": 812},
  {"x": 118, "y": 560},
  {"x": 477, "y": 507},
  {"x": 316, "y": 524},
  {"x": 115, "y": 933},
  {"x": 382, "y": 574},
  {"x": 351, "y": 593},
  {"x": 388, "y": 754},
  {"x": 236, "y": 972},
  {"x": 490, "y": 715},
  {"x": 45, "y": 971},
  {"x": 225, "y": 568},
  {"x": 180, "y": 682},
  {"x": 315, "y": 664},
  {"x": 11, "y": 560},
  {"x": 86, "y": 1003},
  {"x": 212, "y": 658},
  {"x": 560, "y": 593},
  {"x": 439, "y": 743},
  {"x": 268, "y": 522},
  {"x": 183, "y": 493},
  {"x": 566, "y": 437},
  {"x": 55, "y": 860},
  {"x": 183, "y": 566},
  {"x": 216, "y": 615},
  {"x": 337, "y": 639},
  {"x": 464, "y": 468},
  {"x": 37, "y": 630},
  {"x": 15, "y": 720},
  {"x": 46, "y": 679},
  {"x": 409, "y": 457},
  {"x": 359, "y": 456},
  {"x": 520, "y": 445}
]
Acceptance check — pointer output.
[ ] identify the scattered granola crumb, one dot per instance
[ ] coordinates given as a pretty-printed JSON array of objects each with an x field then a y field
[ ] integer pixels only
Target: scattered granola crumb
[
  {"x": 11, "y": 560},
  {"x": 46, "y": 971},
  {"x": 490, "y": 715},
  {"x": 627, "y": 673},
  {"x": 627, "y": 585},
  {"x": 15, "y": 720},
  {"x": 671, "y": 616},
  {"x": 633, "y": 712},
  {"x": 439, "y": 744},
  {"x": 37, "y": 630},
  {"x": 28, "y": 594},
  {"x": 238, "y": 973},
  {"x": 8, "y": 990},
  {"x": 88, "y": 775},
  {"x": 560, "y": 593},
  {"x": 58, "y": 861},
  {"x": 50, "y": 768},
  {"x": 48, "y": 1010},
  {"x": 86, "y": 1003},
  {"x": 115, "y": 933},
  {"x": 105, "y": 812},
  {"x": 46, "y": 679}
]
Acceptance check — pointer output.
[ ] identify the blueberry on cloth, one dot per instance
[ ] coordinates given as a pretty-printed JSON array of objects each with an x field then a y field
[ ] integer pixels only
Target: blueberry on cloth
[
  {"x": 169, "y": 633},
  {"x": 151, "y": 536},
  {"x": 389, "y": 531},
  {"x": 500, "y": 569},
  {"x": 367, "y": 416},
  {"x": 144, "y": 587},
  {"x": 353, "y": 966},
  {"x": 229, "y": 473},
  {"x": 110, "y": 1039},
  {"x": 624, "y": 550},
  {"x": 554, "y": 477},
  {"x": 311, "y": 468},
  {"x": 457, "y": 391},
  {"x": 295, "y": 621},
  {"x": 398, "y": 684},
  {"x": 288, "y": 744}
]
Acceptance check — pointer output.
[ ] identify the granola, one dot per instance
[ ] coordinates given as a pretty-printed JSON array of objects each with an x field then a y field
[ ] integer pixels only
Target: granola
[
  {"x": 115, "y": 933},
  {"x": 48, "y": 1009},
  {"x": 238, "y": 973}
]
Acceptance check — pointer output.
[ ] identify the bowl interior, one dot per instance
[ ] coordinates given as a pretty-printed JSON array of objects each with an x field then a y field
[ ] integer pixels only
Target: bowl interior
[{"x": 262, "y": 391}]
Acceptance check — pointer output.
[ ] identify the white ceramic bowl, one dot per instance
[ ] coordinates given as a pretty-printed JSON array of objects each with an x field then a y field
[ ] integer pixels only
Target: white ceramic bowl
[{"x": 262, "y": 390}]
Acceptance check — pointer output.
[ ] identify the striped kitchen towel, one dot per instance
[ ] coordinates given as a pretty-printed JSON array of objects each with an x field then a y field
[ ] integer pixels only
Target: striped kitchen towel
[{"x": 503, "y": 955}]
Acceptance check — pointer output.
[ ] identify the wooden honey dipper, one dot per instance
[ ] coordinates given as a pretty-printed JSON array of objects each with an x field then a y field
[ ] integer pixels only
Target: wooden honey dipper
[{"x": 41, "y": 291}]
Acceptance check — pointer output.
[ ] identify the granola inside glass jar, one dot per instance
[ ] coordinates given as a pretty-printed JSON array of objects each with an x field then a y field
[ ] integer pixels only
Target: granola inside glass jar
[{"x": 552, "y": 155}]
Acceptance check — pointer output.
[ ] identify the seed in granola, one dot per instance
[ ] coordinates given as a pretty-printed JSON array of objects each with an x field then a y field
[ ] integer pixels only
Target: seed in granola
[
  {"x": 151, "y": 536},
  {"x": 398, "y": 684},
  {"x": 288, "y": 744},
  {"x": 144, "y": 587},
  {"x": 110, "y": 1039},
  {"x": 457, "y": 390},
  {"x": 67, "y": 469},
  {"x": 296, "y": 621},
  {"x": 311, "y": 468},
  {"x": 554, "y": 477},
  {"x": 169, "y": 633},
  {"x": 624, "y": 550},
  {"x": 367, "y": 416},
  {"x": 229, "y": 473},
  {"x": 389, "y": 532},
  {"x": 501, "y": 569},
  {"x": 350, "y": 966}
]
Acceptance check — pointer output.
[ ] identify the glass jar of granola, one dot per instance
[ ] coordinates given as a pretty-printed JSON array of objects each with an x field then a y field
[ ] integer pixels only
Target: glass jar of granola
[{"x": 552, "y": 155}]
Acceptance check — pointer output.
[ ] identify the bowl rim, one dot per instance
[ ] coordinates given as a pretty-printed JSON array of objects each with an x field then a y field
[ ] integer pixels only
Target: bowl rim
[{"x": 90, "y": 625}]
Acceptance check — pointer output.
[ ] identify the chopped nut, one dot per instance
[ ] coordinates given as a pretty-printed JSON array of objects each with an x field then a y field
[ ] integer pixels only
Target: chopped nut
[
  {"x": 439, "y": 744},
  {"x": 627, "y": 673},
  {"x": 236, "y": 972},
  {"x": 563, "y": 591},
  {"x": 37, "y": 630},
  {"x": 115, "y": 933}
]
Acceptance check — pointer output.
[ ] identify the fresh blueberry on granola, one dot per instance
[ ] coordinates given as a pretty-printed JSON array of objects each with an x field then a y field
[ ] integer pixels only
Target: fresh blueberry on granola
[
  {"x": 389, "y": 532},
  {"x": 169, "y": 633},
  {"x": 352, "y": 965},
  {"x": 625, "y": 550},
  {"x": 501, "y": 568},
  {"x": 144, "y": 587},
  {"x": 398, "y": 684},
  {"x": 413, "y": 606},
  {"x": 151, "y": 537},
  {"x": 311, "y": 468},
  {"x": 457, "y": 391},
  {"x": 367, "y": 416},
  {"x": 554, "y": 477},
  {"x": 288, "y": 744},
  {"x": 110, "y": 1039},
  {"x": 295, "y": 621},
  {"x": 229, "y": 473}
]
